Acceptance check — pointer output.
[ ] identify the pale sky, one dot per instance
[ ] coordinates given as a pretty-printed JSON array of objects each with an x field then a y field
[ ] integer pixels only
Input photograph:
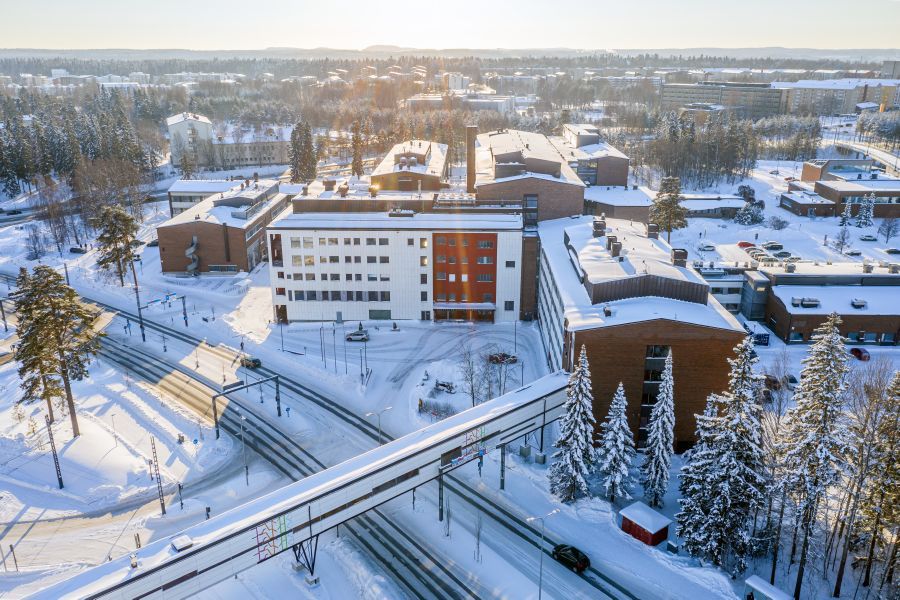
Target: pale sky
[{"x": 589, "y": 24}]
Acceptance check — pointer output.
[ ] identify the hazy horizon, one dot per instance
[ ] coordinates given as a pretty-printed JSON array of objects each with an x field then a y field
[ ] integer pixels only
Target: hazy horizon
[{"x": 228, "y": 25}]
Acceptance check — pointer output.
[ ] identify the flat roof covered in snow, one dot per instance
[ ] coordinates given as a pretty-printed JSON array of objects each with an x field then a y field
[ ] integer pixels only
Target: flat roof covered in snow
[
  {"x": 401, "y": 221},
  {"x": 203, "y": 186},
  {"x": 186, "y": 116},
  {"x": 645, "y": 517},
  {"x": 880, "y": 300},
  {"x": 436, "y": 157},
  {"x": 619, "y": 195}
]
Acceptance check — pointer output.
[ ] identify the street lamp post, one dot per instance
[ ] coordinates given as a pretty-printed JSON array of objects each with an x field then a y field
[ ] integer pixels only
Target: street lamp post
[
  {"x": 378, "y": 414},
  {"x": 115, "y": 437},
  {"x": 244, "y": 451},
  {"x": 541, "y": 549}
]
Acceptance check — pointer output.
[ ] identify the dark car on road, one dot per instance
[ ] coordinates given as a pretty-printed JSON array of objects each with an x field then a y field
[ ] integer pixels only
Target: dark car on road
[
  {"x": 249, "y": 362},
  {"x": 502, "y": 358},
  {"x": 77, "y": 250},
  {"x": 860, "y": 353},
  {"x": 571, "y": 557}
]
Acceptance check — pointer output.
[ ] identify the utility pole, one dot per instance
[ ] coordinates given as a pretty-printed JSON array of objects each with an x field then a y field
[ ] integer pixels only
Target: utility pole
[
  {"x": 162, "y": 501},
  {"x": 3, "y": 314},
  {"x": 378, "y": 414},
  {"x": 244, "y": 451},
  {"x": 137, "y": 297},
  {"x": 115, "y": 437},
  {"x": 55, "y": 455}
]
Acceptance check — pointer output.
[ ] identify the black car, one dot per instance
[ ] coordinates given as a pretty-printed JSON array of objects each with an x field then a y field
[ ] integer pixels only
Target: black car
[
  {"x": 248, "y": 362},
  {"x": 571, "y": 557},
  {"x": 77, "y": 250},
  {"x": 153, "y": 243}
]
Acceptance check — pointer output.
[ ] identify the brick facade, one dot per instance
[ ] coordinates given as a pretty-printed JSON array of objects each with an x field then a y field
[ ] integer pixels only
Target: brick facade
[
  {"x": 783, "y": 323},
  {"x": 217, "y": 245},
  {"x": 556, "y": 199}
]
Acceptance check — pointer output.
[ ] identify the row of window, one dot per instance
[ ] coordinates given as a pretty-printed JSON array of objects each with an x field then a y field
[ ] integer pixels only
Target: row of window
[
  {"x": 423, "y": 277},
  {"x": 306, "y": 260},
  {"x": 481, "y": 260},
  {"x": 480, "y": 277},
  {"x": 441, "y": 240},
  {"x": 309, "y": 241},
  {"x": 337, "y": 295}
]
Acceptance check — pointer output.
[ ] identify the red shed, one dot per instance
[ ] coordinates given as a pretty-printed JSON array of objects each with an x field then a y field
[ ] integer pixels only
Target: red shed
[{"x": 642, "y": 522}]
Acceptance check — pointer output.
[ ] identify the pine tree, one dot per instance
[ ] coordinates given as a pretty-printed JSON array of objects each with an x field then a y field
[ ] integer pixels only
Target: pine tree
[
  {"x": 739, "y": 491},
  {"x": 749, "y": 214},
  {"x": 701, "y": 468},
  {"x": 575, "y": 457},
  {"x": 846, "y": 215},
  {"x": 616, "y": 449},
  {"x": 296, "y": 154},
  {"x": 814, "y": 435},
  {"x": 660, "y": 439},
  {"x": 866, "y": 211},
  {"x": 309, "y": 161},
  {"x": 666, "y": 210},
  {"x": 188, "y": 165},
  {"x": 59, "y": 335},
  {"x": 356, "y": 166},
  {"x": 117, "y": 230}
]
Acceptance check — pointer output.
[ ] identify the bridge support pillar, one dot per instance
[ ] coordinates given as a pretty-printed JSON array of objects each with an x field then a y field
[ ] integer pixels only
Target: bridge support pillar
[
  {"x": 305, "y": 553},
  {"x": 502, "y": 466},
  {"x": 441, "y": 497}
]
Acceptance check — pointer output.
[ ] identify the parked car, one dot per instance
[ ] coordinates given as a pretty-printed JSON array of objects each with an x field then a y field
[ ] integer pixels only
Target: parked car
[
  {"x": 773, "y": 246},
  {"x": 153, "y": 243},
  {"x": 502, "y": 358},
  {"x": 14, "y": 211},
  {"x": 782, "y": 254},
  {"x": 768, "y": 259},
  {"x": 852, "y": 252},
  {"x": 360, "y": 335},
  {"x": 793, "y": 259},
  {"x": 790, "y": 382},
  {"x": 868, "y": 238},
  {"x": 757, "y": 253},
  {"x": 860, "y": 353},
  {"x": 445, "y": 386},
  {"x": 78, "y": 250},
  {"x": 571, "y": 557},
  {"x": 893, "y": 251},
  {"x": 772, "y": 382},
  {"x": 746, "y": 245},
  {"x": 249, "y": 362},
  {"x": 706, "y": 248}
]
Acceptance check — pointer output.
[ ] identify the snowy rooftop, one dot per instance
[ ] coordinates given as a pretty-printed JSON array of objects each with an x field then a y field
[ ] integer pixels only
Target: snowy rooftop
[
  {"x": 186, "y": 116},
  {"x": 862, "y": 185},
  {"x": 384, "y": 220},
  {"x": 435, "y": 156},
  {"x": 645, "y": 517},
  {"x": 879, "y": 299},
  {"x": 835, "y": 84},
  {"x": 619, "y": 196},
  {"x": 232, "y": 133},
  {"x": 236, "y": 208},
  {"x": 804, "y": 197},
  {"x": 640, "y": 256},
  {"x": 203, "y": 186},
  {"x": 819, "y": 268},
  {"x": 512, "y": 147}
]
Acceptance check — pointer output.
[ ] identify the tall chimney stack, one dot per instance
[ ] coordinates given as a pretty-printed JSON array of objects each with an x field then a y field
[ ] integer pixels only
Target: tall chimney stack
[{"x": 471, "y": 133}]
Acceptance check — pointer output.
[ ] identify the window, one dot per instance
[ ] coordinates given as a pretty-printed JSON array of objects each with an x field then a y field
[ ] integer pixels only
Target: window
[
  {"x": 332, "y": 241},
  {"x": 385, "y": 296},
  {"x": 509, "y": 305},
  {"x": 373, "y": 296},
  {"x": 359, "y": 296},
  {"x": 657, "y": 351},
  {"x": 452, "y": 298},
  {"x": 382, "y": 241},
  {"x": 464, "y": 277},
  {"x": 464, "y": 260},
  {"x": 485, "y": 277},
  {"x": 423, "y": 278},
  {"x": 440, "y": 276},
  {"x": 441, "y": 298},
  {"x": 652, "y": 375},
  {"x": 357, "y": 277},
  {"x": 485, "y": 260},
  {"x": 795, "y": 336},
  {"x": 309, "y": 261},
  {"x": 357, "y": 259},
  {"x": 335, "y": 295},
  {"x": 423, "y": 242},
  {"x": 371, "y": 260},
  {"x": 321, "y": 241},
  {"x": 309, "y": 276},
  {"x": 348, "y": 277},
  {"x": 452, "y": 241},
  {"x": 335, "y": 277},
  {"x": 452, "y": 260},
  {"x": 348, "y": 259},
  {"x": 323, "y": 276},
  {"x": 510, "y": 264},
  {"x": 370, "y": 241},
  {"x": 384, "y": 277},
  {"x": 440, "y": 258},
  {"x": 853, "y": 336},
  {"x": 323, "y": 259},
  {"x": 487, "y": 297},
  {"x": 410, "y": 242},
  {"x": 307, "y": 242},
  {"x": 423, "y": 296},
  {"x": 452, "y": 276},
  {"x": 295, "y": 242},
  {"x": 440, "y": 240},
  {"x": 334, "y": 259},
  {"x": 384, "y": 259},
  {"x": 371, "y": 277},
  {"x": 280, "y": 274},
  {"x": 279, "y": 291},
  {"x": 311, "y": 295},
  {"x": 356, "y": 241},
  {"x": 463, "y": 297},
  {"x": 423, "y": 261},
  {"x": 485, "y": 244},
  {"x": 296, "y": 260},
  {"x": 426, "y": 315}
]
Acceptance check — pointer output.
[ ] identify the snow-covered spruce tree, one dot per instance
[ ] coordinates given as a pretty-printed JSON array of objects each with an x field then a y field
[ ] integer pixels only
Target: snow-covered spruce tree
[
  {"x": 660, "y": 439},
  {"x": 749, "y": 214},
  {"x": 815, "y": 437},
  {"x": 666, "y": 209},
  {"x": 701, "y": 469},
  {"x": 866, "y": 211},
  {"x": 58, "y": 340},
  {"x": 117, "y": 230},
  {"x": 616, "y": 449},
  {"x": 296, "y": 154},
  {"x": 846, "y": 215},
  {"x": 739, "y": 490},
  {"x": 356, "y": 145},
  {"x": 575, "y": 457}
]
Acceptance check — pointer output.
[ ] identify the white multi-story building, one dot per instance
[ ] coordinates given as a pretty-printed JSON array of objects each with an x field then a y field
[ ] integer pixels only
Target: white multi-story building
[{"x": 395, "y": 265}]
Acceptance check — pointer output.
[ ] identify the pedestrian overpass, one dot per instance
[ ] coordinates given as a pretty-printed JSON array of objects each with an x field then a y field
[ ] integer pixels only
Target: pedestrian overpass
[{"x": 293, "y": 517}]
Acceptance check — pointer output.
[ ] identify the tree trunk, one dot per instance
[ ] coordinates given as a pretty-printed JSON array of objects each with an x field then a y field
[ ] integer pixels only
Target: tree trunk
[
  {"x": 846, "y": 550},
  {"x": 49, "y": 399},
  {"x": 778, "y": 538},
  {"x": 871, "y": 555},
  {"x": 70, "y": 400},
  {"x": 891, "y": 563},
  {"x": 809, "y": 515},
  {"x": 121, "y": 271}
]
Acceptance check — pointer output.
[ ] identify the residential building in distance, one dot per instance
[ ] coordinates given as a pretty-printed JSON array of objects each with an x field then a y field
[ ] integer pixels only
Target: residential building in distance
[
  {"x": 188, "y": 132},
  {"x": 890, "y": 69},
  {"x": 629, "y": 298},
  {"x": 414, "y": 165},
  {"x": 838, "y": 96},
  {"x": 226, "y": 146},
  {"x": 749, "y": 100},
  {"x": 223, "y": 233},
  {"x": 396, "y": 265}
]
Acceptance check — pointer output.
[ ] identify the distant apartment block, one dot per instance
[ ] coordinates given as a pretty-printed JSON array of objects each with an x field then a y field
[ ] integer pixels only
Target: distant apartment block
[
  {"x": 226, "y": 146},
  {"x": 749, "y": 100},
  {"x": 838, "y": 96}
]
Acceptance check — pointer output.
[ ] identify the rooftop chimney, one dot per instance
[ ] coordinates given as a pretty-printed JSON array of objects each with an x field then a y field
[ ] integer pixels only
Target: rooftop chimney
[
  {"x": 652, "y": 231},
  {"x": 599, "y": 228},
  {"x": 471, "y": 133},
  {"x": 616, "y": 249},
  {"x": 679, "y": 257},
  {"x": 610, "y": 240}
]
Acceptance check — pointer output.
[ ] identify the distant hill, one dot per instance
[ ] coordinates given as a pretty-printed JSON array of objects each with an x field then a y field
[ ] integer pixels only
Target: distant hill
[{"x": 385, "y": 51}]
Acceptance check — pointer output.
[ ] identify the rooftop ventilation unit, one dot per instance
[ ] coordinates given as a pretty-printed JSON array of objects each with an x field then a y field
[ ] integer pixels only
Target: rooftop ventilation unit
[
  {"x": 809, "y": 302},
  {"x": 858, "y": 303}
]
